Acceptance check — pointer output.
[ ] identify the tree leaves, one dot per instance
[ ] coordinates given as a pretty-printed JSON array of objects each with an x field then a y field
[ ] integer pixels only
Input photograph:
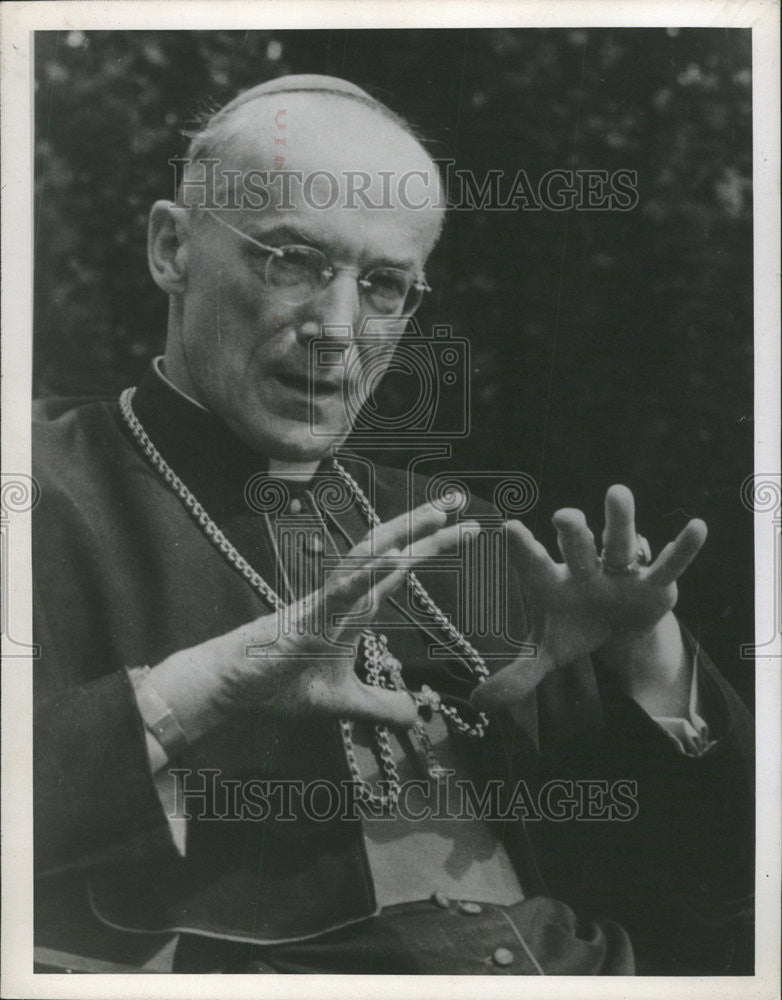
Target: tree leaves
[{"x": 606, "y": 345}]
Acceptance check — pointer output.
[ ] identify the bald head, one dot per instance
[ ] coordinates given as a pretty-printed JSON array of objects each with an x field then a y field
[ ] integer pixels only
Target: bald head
[
  {"x": 338, "y": 143},
  {"x": 217, "y": 130}
]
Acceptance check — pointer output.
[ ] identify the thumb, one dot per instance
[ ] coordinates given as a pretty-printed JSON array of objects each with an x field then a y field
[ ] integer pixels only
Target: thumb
[
  {"x": 511, "y": 684},
  {"x": 379, "y": 705}
]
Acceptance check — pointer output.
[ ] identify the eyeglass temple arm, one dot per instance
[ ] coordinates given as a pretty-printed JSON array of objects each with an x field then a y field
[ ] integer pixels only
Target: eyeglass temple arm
[
  {"x": 419, "y": 282},
  {"x": 250, "y": 239}
]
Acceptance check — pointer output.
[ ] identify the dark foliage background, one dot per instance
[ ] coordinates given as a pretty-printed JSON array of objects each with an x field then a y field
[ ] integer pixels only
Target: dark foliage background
[{"x": 606, "y": 346}]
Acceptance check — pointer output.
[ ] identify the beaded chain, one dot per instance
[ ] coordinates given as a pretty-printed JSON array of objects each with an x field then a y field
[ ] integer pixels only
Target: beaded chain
[
  {"x": 476, "y": 661},
  {"x": 379, "y": 662}
]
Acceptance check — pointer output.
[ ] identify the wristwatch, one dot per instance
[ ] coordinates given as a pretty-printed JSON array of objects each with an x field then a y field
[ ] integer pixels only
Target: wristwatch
[{"x": 155, "y": 713}]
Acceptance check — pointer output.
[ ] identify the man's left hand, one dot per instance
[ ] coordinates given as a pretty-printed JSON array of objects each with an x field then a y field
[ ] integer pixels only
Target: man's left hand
[{"x": 611, "y": 602}]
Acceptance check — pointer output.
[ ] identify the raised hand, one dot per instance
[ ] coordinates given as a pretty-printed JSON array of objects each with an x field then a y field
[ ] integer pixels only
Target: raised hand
[
  {"x": 590, "y": 600},
  {"x": 314, "y": 653},
  {"x": 299, "y": 660}
]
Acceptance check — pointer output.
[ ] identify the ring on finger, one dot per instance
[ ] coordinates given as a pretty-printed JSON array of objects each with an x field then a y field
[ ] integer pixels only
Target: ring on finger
[{"x": 642, "y": 557}]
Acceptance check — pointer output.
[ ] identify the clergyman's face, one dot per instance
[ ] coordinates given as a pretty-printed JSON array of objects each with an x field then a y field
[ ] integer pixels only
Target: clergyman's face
[{"x": 247, "y": 348}]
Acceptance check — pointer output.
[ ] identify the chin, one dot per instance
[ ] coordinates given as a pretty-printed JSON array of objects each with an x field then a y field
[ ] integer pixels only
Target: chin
[{"x": 292, "y": 441}]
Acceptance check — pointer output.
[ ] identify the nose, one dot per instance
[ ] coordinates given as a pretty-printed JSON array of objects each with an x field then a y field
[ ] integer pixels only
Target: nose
[{"x": 337, "y": 305}]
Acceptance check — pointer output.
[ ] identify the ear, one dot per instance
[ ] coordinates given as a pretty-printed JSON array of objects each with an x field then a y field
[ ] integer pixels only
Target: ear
[{"x": 167, "y": 236}]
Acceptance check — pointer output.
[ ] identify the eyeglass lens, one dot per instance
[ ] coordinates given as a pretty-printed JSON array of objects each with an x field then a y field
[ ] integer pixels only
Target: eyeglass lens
[{"x": 298, "y": 273}]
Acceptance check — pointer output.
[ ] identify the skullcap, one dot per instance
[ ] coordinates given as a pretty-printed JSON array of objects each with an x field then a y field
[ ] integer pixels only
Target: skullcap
[{"x": 299, "y": 83}]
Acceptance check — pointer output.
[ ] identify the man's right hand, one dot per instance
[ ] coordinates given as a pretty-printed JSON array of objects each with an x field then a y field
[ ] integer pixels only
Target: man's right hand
[{"x": 299, "y": 662}]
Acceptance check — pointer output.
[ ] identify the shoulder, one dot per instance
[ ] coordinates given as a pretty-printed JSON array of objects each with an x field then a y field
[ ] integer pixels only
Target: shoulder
[
  {"x": 78, "y": 449},
  {"x": 65, "y": 433},
  {"x": 66, "y": 429}
]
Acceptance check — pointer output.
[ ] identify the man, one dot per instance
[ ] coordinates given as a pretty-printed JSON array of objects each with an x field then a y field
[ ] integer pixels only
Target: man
[{"x": 227, "y": 616}]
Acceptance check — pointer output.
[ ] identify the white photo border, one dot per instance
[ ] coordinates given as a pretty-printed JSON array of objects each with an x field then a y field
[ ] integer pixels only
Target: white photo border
[{"x": 18, "y": 22}]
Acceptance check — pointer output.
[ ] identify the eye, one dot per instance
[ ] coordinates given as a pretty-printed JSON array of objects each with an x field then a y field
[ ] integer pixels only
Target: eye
[
  {"x": 256, "y": 256},
  {"x": 297, "y": 265},
  {"x": 388, "y": 283},
  {"x": 387, "y": 288}
]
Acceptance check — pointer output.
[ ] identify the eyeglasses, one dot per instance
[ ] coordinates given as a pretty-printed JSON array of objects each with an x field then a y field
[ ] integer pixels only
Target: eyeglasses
[{"x": 296, "y": 274}]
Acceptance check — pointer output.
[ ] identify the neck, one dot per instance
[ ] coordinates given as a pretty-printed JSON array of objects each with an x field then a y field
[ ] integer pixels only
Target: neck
[
  {"x": 172, "y": 368},
  {"x": 164, "y": 372},
  {"x": 300, "y": 472}
]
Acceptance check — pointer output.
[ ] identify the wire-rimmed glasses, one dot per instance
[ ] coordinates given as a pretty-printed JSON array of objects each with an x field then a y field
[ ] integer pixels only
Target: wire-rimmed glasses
[{"x": 297, "y": 273}]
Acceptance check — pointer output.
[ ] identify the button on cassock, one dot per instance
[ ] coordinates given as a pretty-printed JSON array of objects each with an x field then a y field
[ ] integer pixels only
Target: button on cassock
[{"x": 502, "y": 956}]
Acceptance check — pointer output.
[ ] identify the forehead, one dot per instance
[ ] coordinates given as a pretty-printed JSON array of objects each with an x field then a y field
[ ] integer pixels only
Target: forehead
[{"x": 355, "y": 174}]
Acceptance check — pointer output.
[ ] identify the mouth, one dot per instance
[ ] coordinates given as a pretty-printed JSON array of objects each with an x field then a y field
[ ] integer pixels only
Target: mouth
[{"x": 303, "y": 383}]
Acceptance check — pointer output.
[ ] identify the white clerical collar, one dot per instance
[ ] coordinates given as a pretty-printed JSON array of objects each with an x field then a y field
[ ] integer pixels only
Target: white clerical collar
[
  {"x": 157, "y": 365},
  {"x": 298, "y": 471}
]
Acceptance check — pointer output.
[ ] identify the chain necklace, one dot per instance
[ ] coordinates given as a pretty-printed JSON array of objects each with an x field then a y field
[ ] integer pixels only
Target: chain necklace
[
  {"x": 471, "y": 654},
  {"x": 382, "y": 668}
]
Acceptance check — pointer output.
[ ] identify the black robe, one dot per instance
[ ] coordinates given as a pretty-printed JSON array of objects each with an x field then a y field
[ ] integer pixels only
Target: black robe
[{"x": 124, "y": 576}]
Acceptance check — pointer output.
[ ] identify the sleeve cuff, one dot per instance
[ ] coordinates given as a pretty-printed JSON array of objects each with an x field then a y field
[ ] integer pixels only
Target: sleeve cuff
[
  {"x": 165, "y": 782},
  {"x": 690, "y": 735}
]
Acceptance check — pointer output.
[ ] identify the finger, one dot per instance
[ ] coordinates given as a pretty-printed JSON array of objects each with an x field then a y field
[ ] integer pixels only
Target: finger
[
  {"x": 366, "y": 608},
  {"x": 356, "y": 601},
  {"x": 413, "y": 555},
  {"x": 440, "y": 541},
  {"x": 424, "y": 551},
  {"x": 531, "y": 558},
  {"x": 576, "y": 542},
  {"x": 346, "y": 589},
  {"x": 357, "y": 593},
  {"x": 678, "y": 554},
  {"x": 378, "y": 705},
  {"x": 350, "y": 698},
  {"x": 301, "y": 615},
  {"x": 511, "y": 684},
  {"x": 619, "y": 536},
  {"x": 400, "y": 531},
  {"x": 385, "y": 574}
]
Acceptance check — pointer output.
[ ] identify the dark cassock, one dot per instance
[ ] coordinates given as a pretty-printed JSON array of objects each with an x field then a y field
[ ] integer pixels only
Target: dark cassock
[{"x": 146, "y": 541}]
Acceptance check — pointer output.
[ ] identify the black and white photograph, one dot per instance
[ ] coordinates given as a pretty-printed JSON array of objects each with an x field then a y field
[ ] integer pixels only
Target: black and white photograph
[{"x": 392, "y": 412}]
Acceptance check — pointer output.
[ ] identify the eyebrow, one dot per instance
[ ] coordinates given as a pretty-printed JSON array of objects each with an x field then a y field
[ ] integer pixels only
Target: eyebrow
[{"x": 281, "y": 233}]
